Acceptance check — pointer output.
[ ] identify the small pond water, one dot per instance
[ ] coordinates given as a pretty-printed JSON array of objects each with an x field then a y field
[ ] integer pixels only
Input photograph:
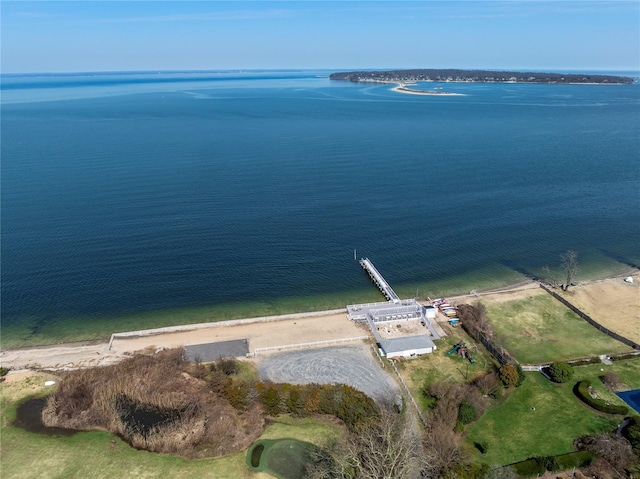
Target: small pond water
[
  {"x": 144, "y": 418},
  {"x": 29, "y": 417}
]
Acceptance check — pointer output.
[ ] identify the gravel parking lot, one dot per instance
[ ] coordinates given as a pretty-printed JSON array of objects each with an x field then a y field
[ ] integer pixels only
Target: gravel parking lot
[{"x": 352, "y": 365}]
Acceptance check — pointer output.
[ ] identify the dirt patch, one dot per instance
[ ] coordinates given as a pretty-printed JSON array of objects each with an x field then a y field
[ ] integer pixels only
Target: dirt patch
[
  {"x": 352, "y": 365},
  {"x": 612, "y": 302}
]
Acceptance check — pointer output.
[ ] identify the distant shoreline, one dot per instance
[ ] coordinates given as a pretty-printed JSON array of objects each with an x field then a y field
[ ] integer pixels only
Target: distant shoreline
[{"x": 479, "y": 76}]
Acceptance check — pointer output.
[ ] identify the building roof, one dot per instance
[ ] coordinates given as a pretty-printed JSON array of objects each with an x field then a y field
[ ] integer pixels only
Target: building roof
[
  {"x": 213, "y": 351},
  {"x": 407, "y": 343}
]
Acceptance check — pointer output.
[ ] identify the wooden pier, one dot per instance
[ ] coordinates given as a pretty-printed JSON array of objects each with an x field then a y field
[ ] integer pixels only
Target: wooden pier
[{"x": 379, "y": 281}]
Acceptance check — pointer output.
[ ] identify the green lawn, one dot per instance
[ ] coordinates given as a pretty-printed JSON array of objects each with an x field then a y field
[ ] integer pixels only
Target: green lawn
[
  {"x": 89, "y": 454},
  {"x": 539, "y": 329},
  {"x": 438, "y": 366},
  {"x": 515, "y": 431}
]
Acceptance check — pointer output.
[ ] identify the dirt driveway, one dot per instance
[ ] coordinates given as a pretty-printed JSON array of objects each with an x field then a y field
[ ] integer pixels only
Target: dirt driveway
[{"x": 353, "y": 365}]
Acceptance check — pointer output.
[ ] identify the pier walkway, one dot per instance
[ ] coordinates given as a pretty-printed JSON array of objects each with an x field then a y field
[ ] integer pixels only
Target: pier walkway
[{"x": 380, "y": 282}]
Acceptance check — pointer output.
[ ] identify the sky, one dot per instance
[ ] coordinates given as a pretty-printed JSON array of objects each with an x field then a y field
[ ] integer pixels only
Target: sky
[{"x": 80, "y": 36}]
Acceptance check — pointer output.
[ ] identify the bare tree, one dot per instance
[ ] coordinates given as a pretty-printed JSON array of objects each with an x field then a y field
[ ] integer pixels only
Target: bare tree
[
  {"x": 615, "y": 450},
  {"x": 570, "y": 265},
  {"x": 442, "y": 448},
  {"x": 487, "y": 384},
  {"x": 387, "y": 447}
]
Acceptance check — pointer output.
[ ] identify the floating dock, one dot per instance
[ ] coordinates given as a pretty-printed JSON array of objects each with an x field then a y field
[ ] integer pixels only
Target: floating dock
[{"x": 379, "y": 281}]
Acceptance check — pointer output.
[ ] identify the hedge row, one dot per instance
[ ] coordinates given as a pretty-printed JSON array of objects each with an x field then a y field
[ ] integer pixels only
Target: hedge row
[
  {"x": 539, "y": 465},
  {"x": 624, "y": 357},
  {"x": 582, "y": 390}
]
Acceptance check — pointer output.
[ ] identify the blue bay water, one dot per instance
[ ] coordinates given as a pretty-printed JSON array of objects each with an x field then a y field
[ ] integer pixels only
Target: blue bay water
[{"x": 129, "y": 193}]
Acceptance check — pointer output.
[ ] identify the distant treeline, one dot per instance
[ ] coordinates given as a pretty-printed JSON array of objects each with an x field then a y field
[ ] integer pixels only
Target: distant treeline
[{"x": 482, "y": 76}]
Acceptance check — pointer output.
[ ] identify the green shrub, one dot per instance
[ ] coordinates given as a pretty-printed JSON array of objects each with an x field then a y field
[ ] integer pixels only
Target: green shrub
[
  {"x": 466, "y": 412},
  {"x": 539, "y": 465},
  {"x": 632, "y": 433},
  {"x": 4, "y": 371},
  {"x": 530, "y": 467},
  {"x": 561, "y": 372},
  {"x": 295, "y": 401},
  {"x": 481, "y": 447},
  {"x": 622, "y": 357},
  {"x": 550, "y": 463},
  {"x": 270, "y": 399},
  {"x": 574, "y": 459},
  {"x": 468, "y": 471},
  {"x": 236, "y": 393},
  {"x": 585, "y": 362},
  {"x": 508, "y": 375},
  {"x": 582, "y": 391}
]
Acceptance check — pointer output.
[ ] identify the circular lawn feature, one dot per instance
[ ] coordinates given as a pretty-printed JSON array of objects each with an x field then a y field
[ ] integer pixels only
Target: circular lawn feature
[{"x": 282, "y": 458}]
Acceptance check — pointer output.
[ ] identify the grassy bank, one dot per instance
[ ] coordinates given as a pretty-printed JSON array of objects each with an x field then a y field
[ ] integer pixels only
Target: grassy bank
[
  {"x": 538, "y": 329},
  {"x": 90, "y": 454}
]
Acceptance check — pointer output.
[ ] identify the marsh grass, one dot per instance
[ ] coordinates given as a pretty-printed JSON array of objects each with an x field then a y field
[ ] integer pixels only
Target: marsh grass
[
  {"x": 154, "y": 403},
  {"x": 539, "y": 329}
]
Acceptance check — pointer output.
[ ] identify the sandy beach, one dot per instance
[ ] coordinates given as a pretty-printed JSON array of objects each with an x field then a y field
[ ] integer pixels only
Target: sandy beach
[
  {"x": 403, "y": 89},
  {"x": 261, "y": 333},
  {"x": 613, "y": 302}
]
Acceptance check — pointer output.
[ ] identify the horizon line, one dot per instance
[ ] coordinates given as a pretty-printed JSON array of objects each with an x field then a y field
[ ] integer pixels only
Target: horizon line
[{"x": 247, "y": 70}]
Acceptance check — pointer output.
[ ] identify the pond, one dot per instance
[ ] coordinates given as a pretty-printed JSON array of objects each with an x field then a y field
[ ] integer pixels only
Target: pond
[{"x": 29, "y": 417}]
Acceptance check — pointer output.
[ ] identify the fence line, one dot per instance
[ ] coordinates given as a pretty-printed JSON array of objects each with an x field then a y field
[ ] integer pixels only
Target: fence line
[
  {"x": 590, "y": 320},
  {"x": 478, "y": 335},
  {"x": 406, "y": 390},
  {"x": 220, "y": 324},
  {"x": 377, "y": 353},
  {"x": 308, "y": 345}
]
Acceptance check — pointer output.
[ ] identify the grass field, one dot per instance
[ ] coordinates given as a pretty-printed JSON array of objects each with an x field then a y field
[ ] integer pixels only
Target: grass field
[
  {"x": 515, "y": 431},
  {"x": 89, "y": 454},
  {"x": 538, "y": 329}
]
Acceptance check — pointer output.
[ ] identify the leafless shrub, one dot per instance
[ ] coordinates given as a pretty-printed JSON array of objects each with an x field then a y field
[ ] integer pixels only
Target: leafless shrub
[
  {"x": 442, "y": 449},
  {"x": 474, "y": 397},
  {"x": 228, "y": 366},
  {"x": 487, "y": 384},
  {"x": 617, "y": 451}
]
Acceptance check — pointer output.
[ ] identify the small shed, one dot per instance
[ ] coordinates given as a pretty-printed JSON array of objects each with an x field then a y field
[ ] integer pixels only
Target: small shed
[{"x": 430, "y": 312}]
